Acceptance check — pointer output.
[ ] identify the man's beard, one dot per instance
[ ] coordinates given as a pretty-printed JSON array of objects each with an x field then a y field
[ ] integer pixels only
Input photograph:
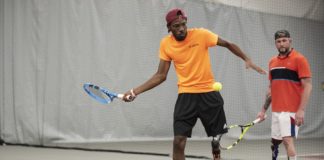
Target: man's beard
[
  {"x": 283, "y": 50},
  {"x": 181, "y": 37}
]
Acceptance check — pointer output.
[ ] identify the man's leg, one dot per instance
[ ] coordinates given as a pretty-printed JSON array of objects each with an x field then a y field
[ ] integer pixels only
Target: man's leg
[
  {"x": 289, "y": 132},
  {"x": 290, "y": 147},
  {"x": 212, "y": 116},
  {"x": 215, "y": 147},
  {"x": 275, "y": 148},
  {"x": 2, "y": 142},
  {"x": 179, "y": 144}
]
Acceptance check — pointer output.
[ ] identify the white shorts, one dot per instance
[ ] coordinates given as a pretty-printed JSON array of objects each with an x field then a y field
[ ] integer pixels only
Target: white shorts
[{"x": 283, "y": 125}]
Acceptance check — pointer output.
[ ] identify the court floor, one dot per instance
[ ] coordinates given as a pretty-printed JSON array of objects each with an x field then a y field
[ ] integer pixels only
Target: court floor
[{"x": 308, "y": 149}]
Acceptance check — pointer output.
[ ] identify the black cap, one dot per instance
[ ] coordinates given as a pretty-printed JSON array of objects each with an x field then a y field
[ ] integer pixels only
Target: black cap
[{"x": 281, "y": 33}]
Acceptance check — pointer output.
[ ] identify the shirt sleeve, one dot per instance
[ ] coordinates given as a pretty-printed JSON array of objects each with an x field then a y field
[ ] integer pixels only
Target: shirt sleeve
[
  {"x": 210, "y": 37},
  {"x": 162, "y": 52},
  {"x": 303, "y": 68},
  {"x": 269, "y": 71}
]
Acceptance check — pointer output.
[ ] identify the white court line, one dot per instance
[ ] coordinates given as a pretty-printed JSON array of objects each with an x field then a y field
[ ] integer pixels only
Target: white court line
[{"x": 303, "y": 155}]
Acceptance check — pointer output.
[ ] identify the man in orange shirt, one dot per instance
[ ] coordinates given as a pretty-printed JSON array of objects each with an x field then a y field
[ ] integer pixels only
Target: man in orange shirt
[
  {"x": 188, "y": 49},
  {"x": 289, "y": 91}
]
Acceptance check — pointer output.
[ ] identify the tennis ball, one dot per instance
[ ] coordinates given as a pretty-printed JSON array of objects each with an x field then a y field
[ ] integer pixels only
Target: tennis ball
[{"x": 217, "y": 86}]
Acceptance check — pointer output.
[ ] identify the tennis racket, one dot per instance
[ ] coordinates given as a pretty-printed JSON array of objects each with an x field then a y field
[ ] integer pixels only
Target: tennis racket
[
  {"x": 100, "y": 94},
  {"x": 238, "y": 128}
]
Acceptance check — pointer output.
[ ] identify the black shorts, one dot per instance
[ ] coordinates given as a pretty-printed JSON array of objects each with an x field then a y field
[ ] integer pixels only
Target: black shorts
[{"x": 206, "y": 106}]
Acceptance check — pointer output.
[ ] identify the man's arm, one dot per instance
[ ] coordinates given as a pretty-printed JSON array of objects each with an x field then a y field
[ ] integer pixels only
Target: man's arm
[
  {"x": 159, "y": 77},
  {"x": 238, "y": 52},
  {"x": 266, "y": 105},
  {"x": 307, "y": 88}
]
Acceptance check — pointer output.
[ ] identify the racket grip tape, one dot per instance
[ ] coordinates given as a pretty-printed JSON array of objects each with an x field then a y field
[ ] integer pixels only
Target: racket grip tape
[{"x": 120, "y": 96}]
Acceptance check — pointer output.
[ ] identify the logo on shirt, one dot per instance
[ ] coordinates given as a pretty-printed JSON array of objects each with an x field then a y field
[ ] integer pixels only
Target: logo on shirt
[{"x": 193, "y": 45}]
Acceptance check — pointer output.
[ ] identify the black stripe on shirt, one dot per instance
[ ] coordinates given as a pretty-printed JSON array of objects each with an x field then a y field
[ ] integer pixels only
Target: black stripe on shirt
[{"x": 285, "y": 74}]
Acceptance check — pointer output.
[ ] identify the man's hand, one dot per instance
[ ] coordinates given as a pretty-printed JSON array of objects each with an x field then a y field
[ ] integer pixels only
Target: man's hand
[
  {"x": 299, "y": 117},
  {"x": 261, "y": 115},
  {"x": 249, "y": 64},
  {"x": 129, "y": 96}
]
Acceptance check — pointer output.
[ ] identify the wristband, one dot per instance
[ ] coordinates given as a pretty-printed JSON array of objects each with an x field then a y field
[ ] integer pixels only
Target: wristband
[{"x": 132, "y": 92}]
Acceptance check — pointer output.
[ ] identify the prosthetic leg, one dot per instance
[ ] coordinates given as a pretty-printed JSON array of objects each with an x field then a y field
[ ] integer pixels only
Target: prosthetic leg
[
  {"x": 2, "y": 142},
  {"x": 215, "y": 147},
  {"x": 275, "y": 148}
]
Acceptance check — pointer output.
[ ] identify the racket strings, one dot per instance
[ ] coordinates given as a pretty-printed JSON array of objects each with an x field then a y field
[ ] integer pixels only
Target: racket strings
[
  {"x": 96, "y": 91},
  {"x": 236, "y": 131}
]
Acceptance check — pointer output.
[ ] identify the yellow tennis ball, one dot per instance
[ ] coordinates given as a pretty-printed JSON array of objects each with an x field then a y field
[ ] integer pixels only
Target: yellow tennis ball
[{"x": 217, "y": 86}]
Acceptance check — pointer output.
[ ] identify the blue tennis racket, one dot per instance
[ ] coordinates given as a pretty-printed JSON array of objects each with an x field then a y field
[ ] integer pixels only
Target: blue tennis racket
[{"x": 100, "y": 94}]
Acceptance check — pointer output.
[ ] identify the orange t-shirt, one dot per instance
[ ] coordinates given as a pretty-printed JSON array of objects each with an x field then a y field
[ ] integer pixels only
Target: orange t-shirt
[
  {"x": 191, "y": 59},
  {"x": 285, "y": 76}
]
